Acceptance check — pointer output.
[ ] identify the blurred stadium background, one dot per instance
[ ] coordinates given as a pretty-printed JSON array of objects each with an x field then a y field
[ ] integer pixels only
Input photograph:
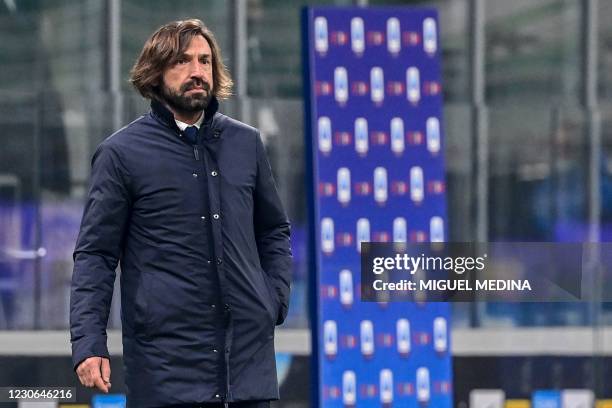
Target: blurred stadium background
[{"x": 527, "y": 86}]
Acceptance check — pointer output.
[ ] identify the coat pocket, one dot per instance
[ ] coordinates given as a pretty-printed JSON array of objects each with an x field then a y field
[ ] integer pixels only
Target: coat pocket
[
  {"x": 272, "y": 301},
  {"x": 141, "y": 307}
]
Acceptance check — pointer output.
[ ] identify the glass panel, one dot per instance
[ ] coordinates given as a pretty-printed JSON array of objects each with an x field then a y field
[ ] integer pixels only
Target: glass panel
[
  {"x": 139, "y": 19},
  {"x": 537, "y": 139},
  {"x": 605, "y": 92},
  {"x": 50, "y": 88},
  {"x": 18, "y": 211},
  {"x": 281, "y": 124},
  {"x": 274, "y": 47},
  {"x": 604, "y": 14},
  {"x": 539, "y": 155},
  {"x": 39, "y": 48},
  {"x": 532, "y": 51},
  {"x": 44, "y": 172}
]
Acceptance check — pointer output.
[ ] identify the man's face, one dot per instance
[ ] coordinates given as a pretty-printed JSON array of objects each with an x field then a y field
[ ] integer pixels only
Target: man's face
[{"x": 187, "y": 85}]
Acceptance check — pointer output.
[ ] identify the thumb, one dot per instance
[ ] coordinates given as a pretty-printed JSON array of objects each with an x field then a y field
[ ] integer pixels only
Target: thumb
[{"x": 105, "y": 370}]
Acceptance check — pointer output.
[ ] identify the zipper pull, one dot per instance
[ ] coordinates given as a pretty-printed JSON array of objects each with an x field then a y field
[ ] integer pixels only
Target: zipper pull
[{"x": 196, "y": 154}]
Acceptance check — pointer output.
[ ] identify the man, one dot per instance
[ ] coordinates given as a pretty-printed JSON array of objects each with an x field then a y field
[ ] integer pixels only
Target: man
[{"x": 184, "y": 198}]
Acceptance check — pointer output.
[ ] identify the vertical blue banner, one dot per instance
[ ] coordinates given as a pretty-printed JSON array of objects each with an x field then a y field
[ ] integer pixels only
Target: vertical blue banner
[{"x": 375, "y": 146}]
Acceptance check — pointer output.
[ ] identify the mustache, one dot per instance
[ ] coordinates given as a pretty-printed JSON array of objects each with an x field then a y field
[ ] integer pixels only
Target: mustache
[{"x": 195, "y": 83}]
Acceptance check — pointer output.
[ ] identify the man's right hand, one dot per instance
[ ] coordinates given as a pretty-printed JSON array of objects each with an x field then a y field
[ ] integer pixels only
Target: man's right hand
[{"x": 95, "y": 372}]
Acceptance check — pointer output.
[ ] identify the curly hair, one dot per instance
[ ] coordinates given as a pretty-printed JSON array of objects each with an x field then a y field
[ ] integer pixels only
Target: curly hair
[{"x": 162, "y": 50}]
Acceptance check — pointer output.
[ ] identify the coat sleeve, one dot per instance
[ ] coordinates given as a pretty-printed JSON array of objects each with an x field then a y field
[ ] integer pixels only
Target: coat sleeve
[
  {"x": 96, "y": 256},
  {"x": 272, "y": 232}
]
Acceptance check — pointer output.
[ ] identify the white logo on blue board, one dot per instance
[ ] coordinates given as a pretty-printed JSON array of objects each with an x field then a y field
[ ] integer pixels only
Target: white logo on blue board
[
  {"x": 400, "y": 230},
  {"x": 321, "y": 37},
  {"x": 363, "y": 232},
  {"x": 327, "y": 235},
  {"x": 422, "y": 385},
  {"x": 402, "y": 331},
  {"x": 357, "y": 35},
  {"x": 349, "y": 388},
  {"x": 361, "y": 136},
  {"x": 330, "y": 336},
  {"x": 432, "y": 127},
  {"x": 397, "y": 136},
  {"x": 380, "y": 185},
  {"x": 440, "y": 335},
  {"x": 324, "y": 134},
  {"x": 394, "y": 35},
  {"x": 430, "y": 36},
  {"x": 377, "y": 84},
  {"x": 436, "y": 229},
  {"x": 366, "y": 329},
  {"x": 346, "y": 288},
  {"x": 344, "y": 185},
  {"x": 341, "y": 85},
  {"x": 386, "y": 386},
  {"x": 417, "y": 188},
  {"x": 413, "y": 85}
]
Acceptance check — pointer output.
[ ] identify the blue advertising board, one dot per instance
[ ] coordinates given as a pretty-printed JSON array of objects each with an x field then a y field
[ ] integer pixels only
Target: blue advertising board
[
  {"x": 108, "y": 401},
  {"x": 546, "y": 399},
  {"x": 376, "y": 168}
]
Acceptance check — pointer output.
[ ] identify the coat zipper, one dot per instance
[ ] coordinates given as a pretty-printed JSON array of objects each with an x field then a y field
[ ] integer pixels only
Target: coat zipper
[{"x": 196, "y": 153}]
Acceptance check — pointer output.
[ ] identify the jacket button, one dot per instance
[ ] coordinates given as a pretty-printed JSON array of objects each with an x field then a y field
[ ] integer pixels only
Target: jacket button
[
  {"x": 217, "y": 396},
  {"x": 213, "y": 306},
  {"x": 208, "y": 261},
  {"x": 216, "y": 133},
  {"x": 215, "y": 350},
  {"x": 219, "y": 261},
  {"x": 203, "y": 218},
  {"x": 226, "y": 306},
  {"x": 195, "y": 175},
  {"x": 214, "y": 173},
  {"x": 216, "y": 216}
]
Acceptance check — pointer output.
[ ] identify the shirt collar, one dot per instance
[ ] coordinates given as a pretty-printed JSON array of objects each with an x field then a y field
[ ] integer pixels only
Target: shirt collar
[{"x": 182, "y": 125}]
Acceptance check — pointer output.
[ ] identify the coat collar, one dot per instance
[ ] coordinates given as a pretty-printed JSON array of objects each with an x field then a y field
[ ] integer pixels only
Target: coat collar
[{"x": 166, "y": 116}]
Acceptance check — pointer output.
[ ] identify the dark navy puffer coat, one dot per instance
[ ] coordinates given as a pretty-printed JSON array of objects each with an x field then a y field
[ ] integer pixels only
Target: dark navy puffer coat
[{"x": 204, "y": 247}]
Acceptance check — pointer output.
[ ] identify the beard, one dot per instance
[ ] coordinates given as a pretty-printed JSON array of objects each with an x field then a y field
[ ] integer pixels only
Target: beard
[{"x": 179, "y": 101}]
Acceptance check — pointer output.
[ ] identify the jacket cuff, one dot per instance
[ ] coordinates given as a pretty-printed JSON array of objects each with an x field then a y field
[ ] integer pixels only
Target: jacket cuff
[{"x": 88, "y": 347}]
